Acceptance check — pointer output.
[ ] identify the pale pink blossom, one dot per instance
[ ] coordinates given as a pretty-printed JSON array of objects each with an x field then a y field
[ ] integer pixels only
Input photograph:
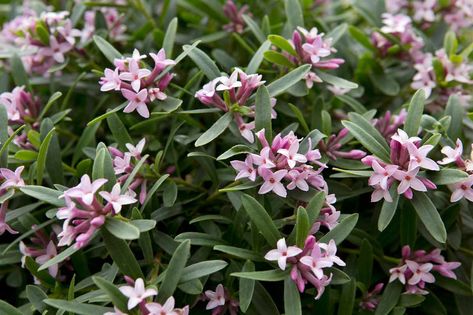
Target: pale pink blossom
[
  {"x": 55, "y": 49},
  {"x": 418, "y": 157},
  {"x": 135, "y": 151},
  {"x": 85, "y": 190},
  {"x": 398, "y": 273},
  {"x": 452, "y": 154},
  {"x": 421, "y": 272},
  {"x": 51, "y": 252},
  {"x": 160, "y": 60},
  {"x": 136, "y": 294},
  {"x": 134, "y": 75},
  {"x": 166, "y": 309},
  {"x": 316, "y": 262},
  {"x": 245, "y": 169},
  {"x": 116, "y": 198},
  {"x": 228, "y": 83},
  {"x": 408, "y": 180},
  {"x": 11, "y": 179},
  {"x": 330, "y": 253},
  {"x": 462, "y": 189},
  {"x": 137, "y": 101},
  {"x": 381, "y": 174},
  {"x": 156, "y": 94},
  {"x": 272, "y": 182},
  {"x": 216, "y": 298},
  {"x": 282, "y": 253},
  {"x": 110, "y": 80},
  {"x": 291, "y": 154},
  {"x": 263, "y": 159}
]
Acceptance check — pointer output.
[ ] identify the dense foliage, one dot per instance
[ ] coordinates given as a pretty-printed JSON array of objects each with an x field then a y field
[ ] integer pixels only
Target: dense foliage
[{"x": 236, "y": 157}]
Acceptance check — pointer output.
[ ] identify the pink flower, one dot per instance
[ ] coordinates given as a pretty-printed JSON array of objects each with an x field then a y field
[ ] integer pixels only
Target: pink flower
[
  {"x": 110, "y": 80},
  {"x": 316, "y": 262},
  {"x": 291, "y": 154},
  {"x": 216, "y": 298},
  {"x": 381, "y": 193},
  {"x": 134, "y": 75},
  {"x": 445, "y": 269},
  {"x": 418, "y": 157},
  {"x": 116, "y": 311},
  {"x": 51, "y": 252},
  {"x": 403, "y": 138},
  {"x": 245, "y": 169},
  {"x": 136, "y": 56},
  {"x": 136, "y": 294},
  {"x": 409, "y": 180},
  {"x": 330, "y": 253},
  {"x": 398, "y": 273},
  {"x": 121, "y": 164},
  {"x": 272, "y": 182},
  {"x": 395, "y": 23},
  {"x": 160, "y": 60},
  {"x": 298, "y": 179},
  {"x": 116, "y": 198},
  {"x": 381, "y": 174},
  {"x": 424, "y": 10},
  {"x": 316, "y": 49},
  {"x": 228, "y": 83},
  {"x": 263, "y": 159},
  {"x": 420, "y": 272},
  {"x": 462, "y": 190},
  {"x": 452, "y": 154},
  {"x": 55, "y": 49},
  {"x": 310, "y": 78},
  {"x": 85, "y": 190},
  {"x": 11, "y": 179},
  {"x": 282, "y": 253},
  {"x": 136, "y": 151},
  {"x": 246, "y": 131},
  {"x": 137, "y": 101},
  {"x": 156, "y": 94},
  {"x": 166, "y": 309}
]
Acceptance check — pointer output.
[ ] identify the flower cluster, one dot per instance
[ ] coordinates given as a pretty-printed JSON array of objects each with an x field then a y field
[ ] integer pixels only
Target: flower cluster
[
  {"x": 312, "y": 48},
  {"x": 84, "y": 213},
  {"x": 415, "y": 269},
  {"x": 308, "y": 263},
  {"x": 463, "y": 188},
  {"x": 371, "y": 299},
  {"x": 139, "y": 85},
  {"x": 407, "y": 158},
  {"x": 137, "y": 295},
  {"x": 49, "y": 38},
  {"x": 43, "y": 248},
  {"x": 9, "y": 181},
  {"x": 331, "y": 147},
  {"x": 282, "y": 161},
  {"x": 235, "y": 90},
  {"x": 400, "y": 27},
  {"x": 444, "y": 72},
  {"x": 219, "y": 301},
  {"x": 113, "y": 19},
  {"x": 458, "y": 14},
  {"x": 235, "y": 15},
  {"x": 389, "y": 123},
  {"x": 123, "y": 165}
]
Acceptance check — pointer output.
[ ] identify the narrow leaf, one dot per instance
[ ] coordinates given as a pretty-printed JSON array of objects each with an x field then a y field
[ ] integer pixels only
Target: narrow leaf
[
  {"x": 261, "y": 219},
  {"x": 215, "y": 130}
]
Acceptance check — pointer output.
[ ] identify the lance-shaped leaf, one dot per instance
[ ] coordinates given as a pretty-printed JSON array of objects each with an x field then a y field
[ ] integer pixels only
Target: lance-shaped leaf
[
  {"x": 215, "y": 130},
  {"x": 263, "y": 112},
  {"x": 388, "y": 210},
  {"x": 261, "y": 219},
  {"x": 342, "y": 230},
  {"x": 246, "y": 286},
  {"x": 107, "y": 49},
  {"x": 174, "y": 270},
  {"x": 429, "y": 215},
  {"x": 204, "y": 62},
  {"x": 292, "y": 299},
  {"x": 414, "y": 114}
]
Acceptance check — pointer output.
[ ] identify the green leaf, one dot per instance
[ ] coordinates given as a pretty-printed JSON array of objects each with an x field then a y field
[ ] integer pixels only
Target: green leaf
[
  {"x": 45, "y": 194},
  {"x": 277, "y": 58},
  {"x": 108, "y": 113},
  {"x": 87, "y": 138},
  {"x": 299, "y": 116},
  {"x": 449, "y": 176},
  {"x": 103, "y": 166},
  {"x": 59, "y": 258},
  {"x": 314, "y": 206},
  {"x": 242, "y": 253},
  {"x": 133, "y": 173},
  {"x": 122, "y": 229},
  {"x": 202, "y": 239},
  {"x": 337, "y": 33},
  {"x": 453, "y": 285},
  {"x": 53, "y": 153},
  {"x": 119, "y": 131},
  {"x": 121, "y": 254},
  {"x": 352, "y": 103},
  {"x": 365, "y": 263},
  {"x": 174, "y": 271},
  {"x": 8, "y": 309},
  {"x": 339, "y": 277},
  {"x": 117, "y": 298},
  {"x": 170, "y": 194},
  {"x": 414, "y": 114},
  {"x": 285, "y": 82},
  {"x": 257, "y": 58},
  {"x": 35, "y": 296},
  {"x": 246, "y": 287},
  {"x": 52, "y": 99},
  {"x": 215, "y": 130},
  {"x": 201, "y": 269},
  {"x": 282, "y": 43},
  {"x": 361, "y": 37},
  {"x": 388, "y": 210},
  {"x": 4, "y": 136},
  {"x": 235, "y": 150},
  {"x": 170, "y": 37},
  {"x": 429, "y": 215},
  {"x": 144, "y": 225},
  {"x": 292, "y": 299},
  {"x": 336, "y": 81},
  {"x": 302, "y": 226},
  {"x": 18, "y": 72},
  {"x": 255, "y": 29},
  {"x": 385, "y": 83},
  {"x": 342, "y": 230},
  {"x": 263, "y": 112},
  {"x": 294, "y": 14},
  {"x": 347, "y": 298},
  {"x": 262, "y": 303},
  {"x": 261, "y": 219},
  {"x": 107, "y": 49},
  {"x": 268, "y": 275},
  {"x": 204, "y": 62},
  {"x": 153, "y": 189},
  {"x": 450, "y": 43},
  {"x": 389, "y": 299},
  {"x": 41, "y": 161},
  {"x": 455, "y": 110},
  {"x": 411, "y": 300},
  {"x": 368, "y": 136},
  {"x": 77, "y": 308}
]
